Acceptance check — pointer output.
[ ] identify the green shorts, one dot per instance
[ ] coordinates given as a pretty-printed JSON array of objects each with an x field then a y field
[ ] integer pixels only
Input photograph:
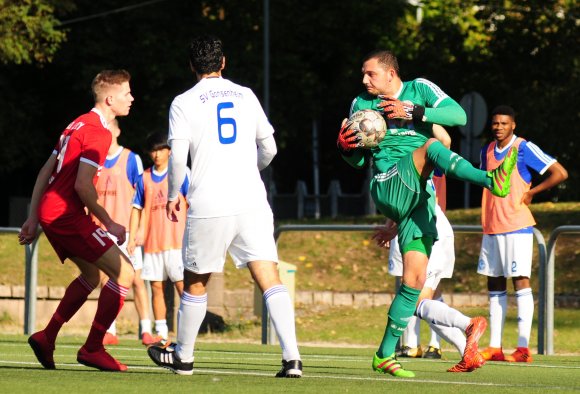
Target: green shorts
[{"x": 401, "y": 195}]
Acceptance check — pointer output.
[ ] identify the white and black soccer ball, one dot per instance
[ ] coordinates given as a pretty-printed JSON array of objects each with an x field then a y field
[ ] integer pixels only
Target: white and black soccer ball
[{"x": 370, "y": 127}]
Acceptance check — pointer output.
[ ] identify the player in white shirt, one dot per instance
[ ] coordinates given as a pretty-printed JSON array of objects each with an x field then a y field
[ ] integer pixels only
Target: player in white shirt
[{"x": 225, "y": 130}]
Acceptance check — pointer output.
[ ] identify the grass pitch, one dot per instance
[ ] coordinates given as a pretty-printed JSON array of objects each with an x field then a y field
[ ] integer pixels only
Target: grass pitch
[{"x": 243, "y": 368}]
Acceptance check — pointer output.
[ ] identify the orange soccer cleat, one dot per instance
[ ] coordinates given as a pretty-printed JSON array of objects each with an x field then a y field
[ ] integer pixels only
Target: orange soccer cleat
[
  {"x": 493, "y": 354},
  {"x": 110, "y": 339},
  {"x": 521, "y": 355},
  {"x": 473, "y": 332},
  {"x": 148, "y": 339},
  {"x": 470, "y": 362}
]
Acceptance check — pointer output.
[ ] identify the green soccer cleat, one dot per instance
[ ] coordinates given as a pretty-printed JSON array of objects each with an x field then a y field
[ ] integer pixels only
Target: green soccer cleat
[
  {"x": 500, "y": 177},
  {"x": 391, "y": 366}
]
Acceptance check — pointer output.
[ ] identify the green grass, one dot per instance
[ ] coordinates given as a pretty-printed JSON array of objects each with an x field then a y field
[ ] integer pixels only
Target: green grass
[
  {"x": 349, "y": 262},
  {"x": 243, "y": 368}
]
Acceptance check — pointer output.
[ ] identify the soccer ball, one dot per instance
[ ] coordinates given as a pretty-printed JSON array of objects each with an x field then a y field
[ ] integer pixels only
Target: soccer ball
[{"x": 370, "y": 127}]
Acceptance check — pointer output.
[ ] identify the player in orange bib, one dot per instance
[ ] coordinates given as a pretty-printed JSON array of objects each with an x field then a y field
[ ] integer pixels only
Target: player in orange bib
[
  {"x": 162, "y": 237},
  {"x": 507, "y": 244},
  {"x": 116, "y": 188}
]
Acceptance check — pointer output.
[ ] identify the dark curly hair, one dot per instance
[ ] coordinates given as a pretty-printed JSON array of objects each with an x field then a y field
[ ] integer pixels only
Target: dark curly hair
[
  {"x": 206, "y": 54},
  {"x": 155, "y": 141},
  {"x": 504, "y": 110}
]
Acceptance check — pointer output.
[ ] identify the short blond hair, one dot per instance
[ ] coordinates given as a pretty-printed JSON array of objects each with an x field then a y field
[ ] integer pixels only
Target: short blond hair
[{"x": 105, "y": 79}]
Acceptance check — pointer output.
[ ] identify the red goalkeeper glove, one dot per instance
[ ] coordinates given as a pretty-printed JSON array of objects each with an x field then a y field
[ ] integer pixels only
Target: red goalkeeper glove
[
  {"x": 397, "y": 109},
  {"x": 347, "y": 138}
]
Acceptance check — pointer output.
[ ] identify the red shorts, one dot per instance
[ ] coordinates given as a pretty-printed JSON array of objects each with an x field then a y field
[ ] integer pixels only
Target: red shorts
[{"x": 79, "y": 237}]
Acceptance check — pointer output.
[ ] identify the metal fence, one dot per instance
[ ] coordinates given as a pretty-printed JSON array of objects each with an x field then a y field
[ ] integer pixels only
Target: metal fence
[
  {"x": 546, "y": 270},
  {"x": 269, "y": 337}
]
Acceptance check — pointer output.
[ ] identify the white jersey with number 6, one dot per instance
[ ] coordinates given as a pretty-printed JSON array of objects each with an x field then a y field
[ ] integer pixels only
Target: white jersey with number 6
[{"x": 221, "y": 121}]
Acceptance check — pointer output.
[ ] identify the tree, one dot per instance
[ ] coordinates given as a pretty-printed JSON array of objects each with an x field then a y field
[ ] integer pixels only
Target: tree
[{"x": 29, "y": 30}]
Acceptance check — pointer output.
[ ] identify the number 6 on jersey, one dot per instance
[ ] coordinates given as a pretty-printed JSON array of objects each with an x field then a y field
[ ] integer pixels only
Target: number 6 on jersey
[{"x": 223, "y": 121}]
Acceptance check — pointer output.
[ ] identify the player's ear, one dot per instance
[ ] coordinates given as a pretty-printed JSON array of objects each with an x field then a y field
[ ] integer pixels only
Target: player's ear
[
  {"x": 223, "y": 63},
  {"x": 109, "y": 100}
]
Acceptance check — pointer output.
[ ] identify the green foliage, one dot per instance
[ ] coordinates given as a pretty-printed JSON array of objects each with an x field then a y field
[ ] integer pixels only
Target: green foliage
[
  {"x": 520, "y": 52},
  {"x": 29, "y": 31}
]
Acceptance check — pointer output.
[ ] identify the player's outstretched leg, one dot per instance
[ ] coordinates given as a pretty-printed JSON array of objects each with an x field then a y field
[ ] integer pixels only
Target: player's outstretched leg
[
  {"x": 166, "y": 357},
  {"x": 43, "y": 349},
  {"x": 501, "y": 176},
  {"x": 472, "y": 359}
]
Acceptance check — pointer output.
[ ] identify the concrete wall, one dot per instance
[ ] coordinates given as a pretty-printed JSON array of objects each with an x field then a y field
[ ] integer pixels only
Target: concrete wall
[{"x": 232, "y": 305}]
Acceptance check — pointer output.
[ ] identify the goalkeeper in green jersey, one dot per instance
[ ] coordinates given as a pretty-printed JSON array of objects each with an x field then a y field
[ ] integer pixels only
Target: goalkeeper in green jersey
[{"x": 402, "y": 163}]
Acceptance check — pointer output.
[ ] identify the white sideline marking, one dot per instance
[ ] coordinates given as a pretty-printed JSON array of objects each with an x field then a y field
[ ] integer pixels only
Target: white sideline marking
[{"x": 201, "y": 371}]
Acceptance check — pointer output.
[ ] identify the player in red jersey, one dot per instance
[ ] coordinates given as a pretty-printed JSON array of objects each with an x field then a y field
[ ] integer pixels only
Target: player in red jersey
[{"x": 64, "y": 187}]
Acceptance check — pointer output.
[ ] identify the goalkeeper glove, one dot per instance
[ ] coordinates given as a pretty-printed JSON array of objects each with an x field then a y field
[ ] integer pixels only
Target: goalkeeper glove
[
  {"x": 397, "y": 109},
  {"x": 347, "y": 139}
]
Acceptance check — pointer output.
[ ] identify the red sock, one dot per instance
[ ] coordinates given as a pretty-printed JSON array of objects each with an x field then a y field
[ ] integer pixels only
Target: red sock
[
  {"x": 110, "y": 303},
  {"x": 74, "y": 297}
]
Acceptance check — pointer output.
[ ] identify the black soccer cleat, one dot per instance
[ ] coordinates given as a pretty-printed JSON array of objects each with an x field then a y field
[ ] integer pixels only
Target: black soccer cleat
[
  {"x": 165, "y": 356},
  {"x": 432, "y": 352},
  {"x": 290, "y": 369}
]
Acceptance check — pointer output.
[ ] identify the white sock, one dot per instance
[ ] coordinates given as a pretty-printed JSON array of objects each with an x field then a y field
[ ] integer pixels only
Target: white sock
[
  {"x": 438, "y": 313},
  {"x": 190, "y": 315},
  {"x": 113, "y": 328},
  {"x": 435, "y": 340},
  {"x": 145, "y": 325},
  {"x": 497, "y": 311},
  {"x": 453, "y": 335},
  {"x": 412, "y": 332},
  {"x": 161, "y": 328},
  {"x": 281, "y": 312},
  {"x": 525, "y": 301}
]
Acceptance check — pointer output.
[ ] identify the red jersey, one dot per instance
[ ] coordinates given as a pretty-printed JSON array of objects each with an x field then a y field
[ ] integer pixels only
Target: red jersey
[{"x": 86, "y": 139}]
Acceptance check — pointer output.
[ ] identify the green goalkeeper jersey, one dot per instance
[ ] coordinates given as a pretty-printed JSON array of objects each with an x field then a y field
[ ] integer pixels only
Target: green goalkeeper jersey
[{"x": 404, "y": 136}]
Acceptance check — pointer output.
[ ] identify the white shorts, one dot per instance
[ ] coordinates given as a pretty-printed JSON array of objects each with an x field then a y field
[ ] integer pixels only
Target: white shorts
[
  {"x": 247, "y": 237},
  {"x": 137, "y": 258},
  {"x": 442, "y": 259},
  {"x": 507, "y": 255},
  {"x": 164, "y": 265}
]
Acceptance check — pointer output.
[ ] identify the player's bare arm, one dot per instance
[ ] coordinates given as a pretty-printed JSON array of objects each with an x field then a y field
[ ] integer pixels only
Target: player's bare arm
[
  {"x": 176, "y": 175},
  {"x": 29, "y": 230},
  {"x": 134, "y": 222},
  {"x": 88, "y": 194},
  {"x": 556, "y": 175}
]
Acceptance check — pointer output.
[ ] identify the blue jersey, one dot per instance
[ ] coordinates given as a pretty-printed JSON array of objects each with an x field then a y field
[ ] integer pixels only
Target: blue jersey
[{"x": 530, "y": 157}]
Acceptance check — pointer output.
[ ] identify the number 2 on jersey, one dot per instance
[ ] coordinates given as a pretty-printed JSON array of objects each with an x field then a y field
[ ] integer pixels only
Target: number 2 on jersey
[{"x": 225, "y": 121}]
